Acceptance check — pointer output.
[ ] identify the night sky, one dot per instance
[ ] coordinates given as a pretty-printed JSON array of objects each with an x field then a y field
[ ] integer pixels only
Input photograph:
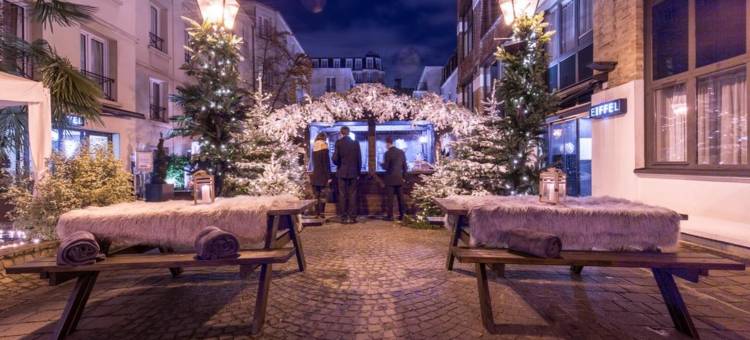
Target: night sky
[{"x": 408, "y": 34}]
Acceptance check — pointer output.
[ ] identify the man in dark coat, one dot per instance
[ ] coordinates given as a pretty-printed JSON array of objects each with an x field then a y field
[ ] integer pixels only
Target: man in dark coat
[
  {"x": 394, "y": 164},
  {"x": 348, "y": 159}
]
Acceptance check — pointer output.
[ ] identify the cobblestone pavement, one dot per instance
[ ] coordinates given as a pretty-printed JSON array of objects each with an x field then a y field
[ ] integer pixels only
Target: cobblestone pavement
[{"x": 377, "y": 280}]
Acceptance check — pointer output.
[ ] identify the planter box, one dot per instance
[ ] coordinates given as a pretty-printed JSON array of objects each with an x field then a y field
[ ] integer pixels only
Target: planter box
[{"x": 159, "y": 192}]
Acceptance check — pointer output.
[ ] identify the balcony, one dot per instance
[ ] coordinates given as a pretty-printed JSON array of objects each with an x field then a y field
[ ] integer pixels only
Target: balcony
[
  {"x": 106, "y": 84},
  {"x": 156, "y": 42},
  {"x": 158, "y": 113}
]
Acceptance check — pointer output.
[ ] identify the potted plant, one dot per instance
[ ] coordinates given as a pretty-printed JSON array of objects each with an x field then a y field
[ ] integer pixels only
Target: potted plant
[{"x": 159, "y": 190}]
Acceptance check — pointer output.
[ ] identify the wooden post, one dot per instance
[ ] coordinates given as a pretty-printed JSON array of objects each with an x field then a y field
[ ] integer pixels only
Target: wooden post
[
  {"x": 294, "y": 230},
  {"x": 76, "y": 304},
  {"x": 673, "y": 299},
  {"x": 261, "y": 302},
  {"x": 485, "y": 303},
  {"x": 455, "y": 223}
]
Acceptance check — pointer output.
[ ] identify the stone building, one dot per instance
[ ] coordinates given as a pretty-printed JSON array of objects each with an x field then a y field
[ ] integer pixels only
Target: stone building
[{"x": 367, "y": 69}]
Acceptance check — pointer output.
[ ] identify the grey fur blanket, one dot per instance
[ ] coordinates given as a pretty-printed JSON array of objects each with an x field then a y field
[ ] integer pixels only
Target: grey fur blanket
[
  {"x": 588, "y": 223},
  {"x": 78, "y": 249},
  {"x": 173, "y": 223}
]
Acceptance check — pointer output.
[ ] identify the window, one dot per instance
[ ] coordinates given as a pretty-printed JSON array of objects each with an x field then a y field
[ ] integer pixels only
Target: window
[
  {"x": 553, "y": 48},
  {"x": 722, "y": 119},
  {"x": 568, "y": 36},
  {"x": 156, "y": 100},
  {"x": 467, "y": 32},
  {"x": 336, "y": 63},
  {"x": 155, "y": 35},
  {"x": 95, "y": 62},
  {"x": 492, "y": 72},
  {"x": 669, "y": 37},
  {"x": 187, "y": 44},
  {"x": 369, "y": 63},
  {"x": 324, "y": 63},
  {"x": 720, "y": 30},
  {"x": 264, "y": 27},
  {"x": 490, "y": 14},
  {"x": 585, "y": 16},
  {"x": 697, "y": 96},
  {"x": 349, "y": 63},
  {"x": 467, "y": 95},
  {"x": 358, "y": 64},
  {"x": 316, "y": 63},
  {"x": 377, "y": 63},
  {"x": 68, "y": 141},
  {"x": 13, "y": 22},
  {"x": 330, "y": 84}
]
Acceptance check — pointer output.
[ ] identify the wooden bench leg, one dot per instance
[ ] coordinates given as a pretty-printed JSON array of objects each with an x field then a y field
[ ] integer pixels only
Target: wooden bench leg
[
  {"x": 264, "y": 284},
  {"x": 485, "y": 303},
  {"x": 673, "y": 299},
  {"x": 297, "y": 241},
  {"x": 576, "y": 269},
  {"x": 499, "y": 269},
  {"x": 76, "y": 303},
  {"x": 175, "y": 271},
  {"x": 455, "y": 225}
]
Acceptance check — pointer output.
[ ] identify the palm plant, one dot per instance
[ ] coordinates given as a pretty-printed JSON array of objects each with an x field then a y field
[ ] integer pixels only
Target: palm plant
[{"x": 70, "y": 91}]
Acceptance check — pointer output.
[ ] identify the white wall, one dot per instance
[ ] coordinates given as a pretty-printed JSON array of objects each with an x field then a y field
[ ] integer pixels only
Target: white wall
[
  {"x": 718, "y": 207},
  {"x": 344, "y": 80}
]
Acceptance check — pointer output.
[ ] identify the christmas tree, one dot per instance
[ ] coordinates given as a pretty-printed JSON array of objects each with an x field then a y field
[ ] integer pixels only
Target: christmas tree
[
  {"x": 526, "y": 101},
  {"x": 264, "y": 164},
  {"x": 213, "y": 105}
]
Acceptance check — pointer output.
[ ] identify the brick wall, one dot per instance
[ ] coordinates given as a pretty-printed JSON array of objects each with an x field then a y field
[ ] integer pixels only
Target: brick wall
[{"x": 618, "y": 36}]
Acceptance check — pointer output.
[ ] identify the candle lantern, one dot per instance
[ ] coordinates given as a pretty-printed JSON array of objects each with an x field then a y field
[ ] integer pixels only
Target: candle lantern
[
  {"x": 203, "y": 187},
  {"x": 552, "y": 186}
]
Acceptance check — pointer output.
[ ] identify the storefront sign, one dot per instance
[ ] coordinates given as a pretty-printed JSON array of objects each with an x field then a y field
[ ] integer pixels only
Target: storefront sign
[
  {"x": 144, "y": 161},
  {"x": 75, "y": 121},
  {"x": 610, "y": 108}
]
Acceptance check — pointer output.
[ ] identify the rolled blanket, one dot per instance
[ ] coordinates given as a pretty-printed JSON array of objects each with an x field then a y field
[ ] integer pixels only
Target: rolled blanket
[
  {"x": 78, "y": 249},
  {"x": 534, "y": 243},
  {"x": 213, "y": 243}
]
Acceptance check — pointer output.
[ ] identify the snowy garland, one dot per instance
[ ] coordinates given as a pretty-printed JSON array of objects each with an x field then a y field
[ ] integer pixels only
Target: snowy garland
[{"x": 369, "y": 101}]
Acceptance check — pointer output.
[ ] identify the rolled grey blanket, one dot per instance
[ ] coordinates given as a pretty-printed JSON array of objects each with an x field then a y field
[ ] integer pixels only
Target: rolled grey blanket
[
  {"x": 78, "y": 249},
  {"x": 534, "y": 243},
  {"x": 213, "y": 243}
]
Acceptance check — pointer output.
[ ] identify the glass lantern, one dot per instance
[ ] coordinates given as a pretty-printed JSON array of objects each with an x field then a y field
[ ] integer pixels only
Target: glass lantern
[{"x": 552, "y": 186}]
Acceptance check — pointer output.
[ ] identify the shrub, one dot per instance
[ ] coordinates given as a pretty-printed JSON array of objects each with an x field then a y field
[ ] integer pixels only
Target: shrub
[{"x": 92, "y": 177}]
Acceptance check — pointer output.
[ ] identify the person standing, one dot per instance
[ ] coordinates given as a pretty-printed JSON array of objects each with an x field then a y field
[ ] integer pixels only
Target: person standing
[
  {"x": 394, "y": 164},
  {"x": 321, "y": 174},
  {"x": 348, "y": 158}
]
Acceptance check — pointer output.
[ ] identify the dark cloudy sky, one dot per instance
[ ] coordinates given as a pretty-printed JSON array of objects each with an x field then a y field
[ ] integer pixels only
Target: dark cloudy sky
[{"x": 408, "y": 34}]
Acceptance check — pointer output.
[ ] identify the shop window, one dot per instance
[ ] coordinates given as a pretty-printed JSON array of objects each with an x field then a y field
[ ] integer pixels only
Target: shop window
[
  {"x": 67, "y": 142},
  {"x": 719, "y": 30},
  {"x": 722, "y": 119},
  {"x": 669, "y": 37}
]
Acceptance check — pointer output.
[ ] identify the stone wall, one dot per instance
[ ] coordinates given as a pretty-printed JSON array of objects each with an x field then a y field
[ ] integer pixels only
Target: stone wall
[
  {"x": 23, "y": 254},
  {"x": 618, "y": 36}
]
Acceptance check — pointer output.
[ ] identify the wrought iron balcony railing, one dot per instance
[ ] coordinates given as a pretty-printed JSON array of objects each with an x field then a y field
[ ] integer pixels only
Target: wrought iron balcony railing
[
  {"x": 156, "y": 42},
  {"x": 158, "y": 113},
  {"x": 106, "y": 84}
]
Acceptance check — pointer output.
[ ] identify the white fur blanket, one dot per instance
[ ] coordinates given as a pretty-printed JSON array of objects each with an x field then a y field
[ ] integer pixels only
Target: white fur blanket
[
  {"x": 173, "y": 223},
  {"x": 589, "y": 223}
]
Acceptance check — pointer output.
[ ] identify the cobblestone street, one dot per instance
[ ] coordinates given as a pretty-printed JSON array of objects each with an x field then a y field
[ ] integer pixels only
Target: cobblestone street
[{"x": 378, "y": 280}]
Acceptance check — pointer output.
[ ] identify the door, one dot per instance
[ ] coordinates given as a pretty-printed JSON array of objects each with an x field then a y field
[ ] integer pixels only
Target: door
[{"x": 570, "y": 150}]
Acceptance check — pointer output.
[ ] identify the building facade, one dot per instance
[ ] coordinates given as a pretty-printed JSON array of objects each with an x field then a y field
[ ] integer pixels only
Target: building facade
[
  {"x": 134, "y": 50},
  {"x": 325, "y": 80},
  {"x": 367, "y": 69},
  {"x": 430, "y": 81}
]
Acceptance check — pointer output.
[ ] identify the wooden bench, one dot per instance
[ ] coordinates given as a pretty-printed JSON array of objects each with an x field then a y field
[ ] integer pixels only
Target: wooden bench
[
  {"x": 664, "y": 266},
  {"x": 86, "y": 277}
]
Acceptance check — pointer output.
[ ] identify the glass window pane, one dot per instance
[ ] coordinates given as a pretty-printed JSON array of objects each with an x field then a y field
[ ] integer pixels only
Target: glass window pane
[
  {"x": 154, "y": 21},
  {"x": 97, "y": 57},
  {"x": 720, "y": 30},
  {"x": 671, "y": 124},
  {"x": 585, "y": 58},
  {"x": 670, "y": 37},
  {"x": 568, "y": 27},
  {"x": 84, "y": 53},
  {"x": 553, "y": 48},
  {"x": 552, "y": 78},
  {"x": 585, "y": 16},
  {"x": 568, "y": 72},
  {"x": 722, "y": 119}
]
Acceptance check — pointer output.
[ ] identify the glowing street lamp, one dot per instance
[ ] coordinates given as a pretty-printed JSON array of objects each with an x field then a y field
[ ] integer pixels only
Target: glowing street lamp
[
  {"x": 219, "y": 12},
  {"x": 514, "y": 9}
]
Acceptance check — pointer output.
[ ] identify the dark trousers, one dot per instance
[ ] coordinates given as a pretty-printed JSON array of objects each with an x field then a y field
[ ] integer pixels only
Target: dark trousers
[
  {"x": 320, "y": 199},
  {"x": 348, "y": 197},
  {"x": 397, "y": 190}
]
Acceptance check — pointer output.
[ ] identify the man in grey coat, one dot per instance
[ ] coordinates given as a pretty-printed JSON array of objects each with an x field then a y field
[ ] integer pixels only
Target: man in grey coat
[
  {"x": 348, "y": 160},
  {"x": 394, "y": 164}
]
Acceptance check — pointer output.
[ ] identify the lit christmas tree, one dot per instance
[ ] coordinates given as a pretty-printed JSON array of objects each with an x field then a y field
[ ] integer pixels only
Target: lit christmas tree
[
  {"x": 526, "y": 103},
  {"x": 213, "y": 106}
]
